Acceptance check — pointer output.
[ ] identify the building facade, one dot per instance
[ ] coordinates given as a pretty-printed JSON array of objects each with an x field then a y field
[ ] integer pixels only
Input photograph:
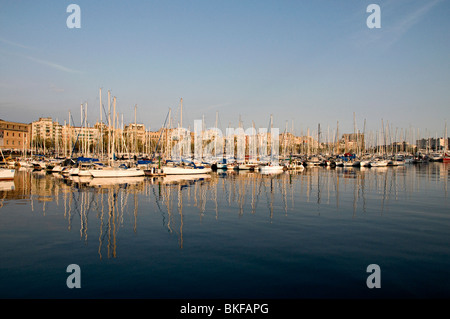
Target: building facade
[{"x": 15, "y": 136}]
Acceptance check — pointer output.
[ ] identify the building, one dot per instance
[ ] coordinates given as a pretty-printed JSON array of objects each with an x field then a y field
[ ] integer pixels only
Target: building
[
  {"x": 15, "y": 136},
  {"x": 45, "y": 130},
  {"x": 135, "y": 135},
  {"x": 432, "y": 144},
  {"x": 353, "y": 142}
]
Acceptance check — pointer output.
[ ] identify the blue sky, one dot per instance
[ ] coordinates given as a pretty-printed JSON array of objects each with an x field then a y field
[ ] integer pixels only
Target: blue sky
[{"x": 305, "y": 62}]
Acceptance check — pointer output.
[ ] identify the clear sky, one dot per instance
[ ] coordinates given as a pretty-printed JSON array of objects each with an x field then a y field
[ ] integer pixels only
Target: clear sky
[{"x": 306, "y": 62}]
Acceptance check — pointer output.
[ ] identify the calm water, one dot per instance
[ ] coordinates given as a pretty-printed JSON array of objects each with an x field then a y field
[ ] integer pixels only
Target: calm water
[{"x": 234, "y": 235}]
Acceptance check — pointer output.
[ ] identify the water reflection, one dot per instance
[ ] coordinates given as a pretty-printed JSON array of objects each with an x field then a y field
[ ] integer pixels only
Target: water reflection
[{"x": 313, "y": 191}]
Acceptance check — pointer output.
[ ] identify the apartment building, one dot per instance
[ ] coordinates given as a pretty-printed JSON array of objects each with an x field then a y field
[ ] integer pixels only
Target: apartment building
[{"x": 15, "y": 136}]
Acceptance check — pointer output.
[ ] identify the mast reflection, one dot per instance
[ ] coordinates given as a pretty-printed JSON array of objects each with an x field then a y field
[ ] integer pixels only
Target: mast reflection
[{"x": 109, "y": 204}]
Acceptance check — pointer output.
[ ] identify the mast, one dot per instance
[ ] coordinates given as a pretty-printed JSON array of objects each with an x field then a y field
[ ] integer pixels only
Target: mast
[
  {"x": 70, "y": 135},
  {"x": 308, "y": 142},
  {"x": 337, "y": 138},
  {"x": 318, "y": 139},
  {"x": 445, "y": 139},
  {"x": 181, "y": 112},
  {"x": 86, "y": 131},
  {"x": 383, "y": 137},
  {"x": 355, "y": 134},
  {"x": 109, "y": 127},
  {"x": 215, "y": 139},
  {"x": 65, "y": 140},
  {"x": 135, "y": 130},
  {"x": 81, "y": 128},
  {"x": 113, "y": 129},
  {"x": 101, "y": 125},
  {"x": 363, "y": 149}
]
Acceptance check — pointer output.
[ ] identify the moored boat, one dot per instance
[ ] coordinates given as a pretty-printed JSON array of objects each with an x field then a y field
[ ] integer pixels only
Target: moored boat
[
  {"x": 117, "y": 172},
  {"x": 7, "y": 174},
  {"x": 185, "y": 170},
  {"x": 271, "y": 168}
]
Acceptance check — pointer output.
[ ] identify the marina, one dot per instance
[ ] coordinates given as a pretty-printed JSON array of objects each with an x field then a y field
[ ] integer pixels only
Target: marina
[
  {"x": 224, "y": 158},
  {"x": 294, "y": 234}
]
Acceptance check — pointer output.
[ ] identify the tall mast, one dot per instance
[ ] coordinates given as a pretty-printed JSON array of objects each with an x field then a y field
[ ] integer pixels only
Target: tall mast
[
  {"x": 135, "y": 130},
  {"x": 70, "y": 136},
  {"x": 445, "y": 139},
  {"x": 65, "y": 140},
  {"x": 181, "y": 112},
  {"x": 354, "y": 133},
  {"x": 109, "y": 127},
  {"x": 318, "y": 138},
  {"x": 363, "y": 149},
  {"x": 86, "y": 130},
  {"x": 337, "y": 137},
  {"x": 101, "y": 124},
  {"x": 215, "y": 139},
  {"x": 113, "y": 128},
  {"x": 81, "y": 128}
]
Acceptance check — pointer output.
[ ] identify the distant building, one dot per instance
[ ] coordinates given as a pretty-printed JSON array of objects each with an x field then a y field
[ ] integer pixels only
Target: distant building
[
  {"x": 353, "y": 142},
  {"x": 432, "y": 144},
  {"x": 15, "y": 136},
  {"x": 45, "y": 129},
  {"x": 135, "y": 135}
]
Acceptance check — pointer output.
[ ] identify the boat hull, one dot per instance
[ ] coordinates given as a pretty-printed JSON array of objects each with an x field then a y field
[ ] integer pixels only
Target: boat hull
[
  {"x": 271, "y": 169},
  {"x": 185, "y": 171},
  {"x": 7, "y": 174},
  {"x": 116, "y": 172}
]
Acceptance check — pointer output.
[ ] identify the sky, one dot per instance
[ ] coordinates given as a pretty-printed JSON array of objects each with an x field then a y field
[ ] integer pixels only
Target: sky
[{"x": 306, "y": 63}]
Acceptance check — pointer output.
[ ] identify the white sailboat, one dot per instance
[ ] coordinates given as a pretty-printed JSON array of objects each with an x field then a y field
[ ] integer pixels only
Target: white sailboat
[
  {"x": 186, "y": 170},
  {"x": 379, "y": 162},
  {"x": 183, "y": 167},
  {"x": 7, "y": 174},
  {"x": 117, "y": 172},
  {"x": 274, "y": 165}
]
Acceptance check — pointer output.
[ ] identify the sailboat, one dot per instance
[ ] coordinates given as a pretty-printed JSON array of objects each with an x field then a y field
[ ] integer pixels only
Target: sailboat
[
  {"x": 379, "y": 162},
  {"x": 184, "y": 167},
  {"x": 120, "y": 171},
  {"x": 6, "y": 174},
  {"x": 446, "y": 157},
  {"x": 188, "y": 169},
  {"x": 273, "y": 166},
  {"x": 111, "y": 170}
]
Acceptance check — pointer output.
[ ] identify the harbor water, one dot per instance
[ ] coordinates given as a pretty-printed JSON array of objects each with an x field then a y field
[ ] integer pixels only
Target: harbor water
[{"x": 293, "y": 235}]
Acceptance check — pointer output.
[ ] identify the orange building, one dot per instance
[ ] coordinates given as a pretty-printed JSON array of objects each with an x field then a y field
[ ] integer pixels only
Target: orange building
[{"x": 15, "y": 136}]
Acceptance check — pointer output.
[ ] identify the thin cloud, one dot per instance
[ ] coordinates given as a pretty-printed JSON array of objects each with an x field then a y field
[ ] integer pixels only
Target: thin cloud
[
  {"x": 19, "y": 45},
  {"x": 397, "y": 18},
  {"x": 51, "y": 64},
  {"x": 54, "y": 88},
  {"x": 410, "y": 20},
  {"x": 44, "y": 62}
]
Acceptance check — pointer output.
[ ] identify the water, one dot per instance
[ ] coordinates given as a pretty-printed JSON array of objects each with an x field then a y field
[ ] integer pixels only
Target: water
[{"x": 233, "y": 235}]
